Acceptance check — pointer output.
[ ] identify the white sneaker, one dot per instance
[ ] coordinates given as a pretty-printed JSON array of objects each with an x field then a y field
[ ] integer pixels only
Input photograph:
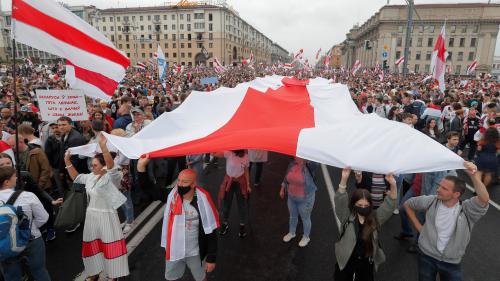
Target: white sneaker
[
  {"x": 127, "y": 228},
  {"x": 288, "y": 237},
  {"x": 304, "y": 241},
  {"x": 396, "y": 211}
]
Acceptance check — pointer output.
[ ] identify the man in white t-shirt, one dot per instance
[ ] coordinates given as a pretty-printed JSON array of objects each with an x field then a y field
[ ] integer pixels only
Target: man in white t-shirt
[{"x": 448, "y": 225}]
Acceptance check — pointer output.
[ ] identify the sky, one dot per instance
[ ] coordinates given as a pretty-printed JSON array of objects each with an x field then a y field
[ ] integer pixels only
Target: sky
[{"x": 293, "y": 24}]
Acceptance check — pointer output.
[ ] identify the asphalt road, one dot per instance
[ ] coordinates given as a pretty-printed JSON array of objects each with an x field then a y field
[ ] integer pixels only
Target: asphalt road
[{"x": 263, "y": 256}]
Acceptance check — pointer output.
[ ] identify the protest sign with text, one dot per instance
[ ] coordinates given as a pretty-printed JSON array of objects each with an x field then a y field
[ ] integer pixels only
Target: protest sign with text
[{"x": 56, "y": 103}]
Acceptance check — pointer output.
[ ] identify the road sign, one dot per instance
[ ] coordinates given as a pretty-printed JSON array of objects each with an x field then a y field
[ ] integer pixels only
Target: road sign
[{"x": 385, "y": 54}]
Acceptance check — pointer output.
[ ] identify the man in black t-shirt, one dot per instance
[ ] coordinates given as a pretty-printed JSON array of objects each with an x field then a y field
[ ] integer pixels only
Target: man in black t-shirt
[{"x": 471, "y": 126}]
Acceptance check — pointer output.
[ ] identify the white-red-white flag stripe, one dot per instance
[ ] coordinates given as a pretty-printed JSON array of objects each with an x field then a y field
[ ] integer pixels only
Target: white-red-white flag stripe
[
  {"x": 93, "y": 84},
  {"x": 472, "y": 67},
  {"x": 317, "y": 54},
  {"x": 294, "y": 117},
  {"x": 355, "y": 67},
  {"x": 399, "y": 61},
  {"x": 438, "y": 61},
  {"x": 49, "y": 27}
]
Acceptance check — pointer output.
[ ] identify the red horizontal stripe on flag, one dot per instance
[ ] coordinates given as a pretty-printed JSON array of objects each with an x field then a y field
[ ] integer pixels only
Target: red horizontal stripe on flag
[
  {"x": 105, "y": 84},
  {"x": 65, "y": 33},
  {"x": 109, "y": 250}
]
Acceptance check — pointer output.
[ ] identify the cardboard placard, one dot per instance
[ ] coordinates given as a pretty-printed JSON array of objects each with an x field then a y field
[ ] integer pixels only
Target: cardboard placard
[{"x": 56, "y": 103}]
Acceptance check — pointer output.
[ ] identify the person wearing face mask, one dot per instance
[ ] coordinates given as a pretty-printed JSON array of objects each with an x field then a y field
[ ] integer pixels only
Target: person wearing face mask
[
  {"x": 103, "y": 248},
  {"x": 188, "y": 232},
  {"x": 358, "y": 251}
]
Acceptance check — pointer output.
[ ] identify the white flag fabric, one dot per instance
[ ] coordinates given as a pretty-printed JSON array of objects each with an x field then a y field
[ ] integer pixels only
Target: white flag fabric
[
  {"x": 314, "y": 119},
  {"x": 438, "y": 62},
  {"x": 162, "y": 63}
]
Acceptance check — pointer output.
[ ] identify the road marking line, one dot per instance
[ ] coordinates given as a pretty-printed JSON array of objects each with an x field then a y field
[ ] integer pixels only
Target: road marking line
[
  {"x": 492, "y": 203},
  {"x": 142, "y": 216},
  {"x": 331, "y": 191}
]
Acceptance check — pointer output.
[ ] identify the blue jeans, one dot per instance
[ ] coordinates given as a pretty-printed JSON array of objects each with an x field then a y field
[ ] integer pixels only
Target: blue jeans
[
  {"x": 303, "y": 207},
  {"x": 128, "y": 207},
  {"x": 34, "y": 254},
  {"x": 428, "y": 268}
]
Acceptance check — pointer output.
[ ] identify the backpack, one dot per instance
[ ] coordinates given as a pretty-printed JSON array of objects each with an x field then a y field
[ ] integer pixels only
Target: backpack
[{"x": 15, "y": 228}]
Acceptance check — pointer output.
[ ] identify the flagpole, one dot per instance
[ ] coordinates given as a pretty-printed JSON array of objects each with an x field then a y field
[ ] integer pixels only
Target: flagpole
[{"x": 16, "y": 102}]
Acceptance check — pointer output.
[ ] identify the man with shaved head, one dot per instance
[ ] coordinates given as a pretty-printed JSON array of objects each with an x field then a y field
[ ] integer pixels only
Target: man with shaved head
[{"x": 188, "y": 233}]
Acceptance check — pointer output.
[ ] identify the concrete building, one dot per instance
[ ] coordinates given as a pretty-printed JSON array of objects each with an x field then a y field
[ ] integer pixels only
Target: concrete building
[
  {"x": 471, "y": 33},
  {"x": 279, "y": 54},
  {"x": 188, "y": 33},
  {"x": 495, "y": 68}
]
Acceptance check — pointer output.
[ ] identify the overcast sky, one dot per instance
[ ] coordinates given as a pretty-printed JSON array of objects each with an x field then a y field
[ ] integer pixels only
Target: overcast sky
[{"x": 293, "y": 24}]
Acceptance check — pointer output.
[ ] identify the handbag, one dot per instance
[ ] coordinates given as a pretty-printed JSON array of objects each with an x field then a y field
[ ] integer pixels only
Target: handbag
[{"x": 72, "y": 211}]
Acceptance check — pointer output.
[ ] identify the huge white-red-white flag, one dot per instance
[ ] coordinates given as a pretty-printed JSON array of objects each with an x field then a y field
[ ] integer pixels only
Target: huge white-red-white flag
[
  {"x": 355, "y": 67},
  {"x": 438, "y": 62},
  {"x": 94, "y": 64},
  {"x": 472, "y": 67},
  {"x": 289, "y": 116}
]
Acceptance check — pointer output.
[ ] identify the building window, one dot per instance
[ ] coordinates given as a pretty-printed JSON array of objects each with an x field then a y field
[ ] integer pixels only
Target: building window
[
  {"x": 428, "y": 55},
  {"x": 460, "y": 56},
  {"x": 126, "y": 38},
  {"x": 103, "y": 28},
  {"x": 189, "y": 36},
  {"x": 157, "y": 37},
  {"x": 165, "y": 36},
  {"x": 189, "y": 45},
  {"x": 462, "y": 42},
  {"x": 398, "y": 54},
  {"x": 473, "y": 42},
  {"x": 165, "y": 27},
  {"x": 210, "y": 36},
  {"x": 173, "y": 26},
  {"x": 400, "y": 29},
  {"x": 119, "y": 37},
  {"x": 119, "y": 28},
  {"x": 188, "y": 27},
  {"x": 419, "y": 42},
  {"x": 464, "y": 29},
  {"x": 111, "y": 28},
  {"x": 188, "y": 17},
  {"x": 210, "y": 27},
  {"x": 199, "y": 16},
  {"x": 181, "y": 16},
  {"x": 166, "y": 45},
  {"x": 199, "y": 25},
  {"x": 149, "y": 17},
  {"x": 166, "y": 55},
  {"x": 120, "y": 46},
  {"x": 141, "y": 18},
  {"x": 210, "y": 17},
  {"x": 143, "y": 55},
  {"x": 183, "y": 55},
  {"x": 430, "y": 41},
  {"x": 417, "y": 68},
  {"x": 110, "y": 19},
  {"x": 117, "y": 18},
  {"x": 199, "y": 45},
  {"x": 174, "y": 55},
  {"x": 431, "y": 29},
  {"x": 471, "y": 56},
  {"x": 173, "y": 17},
  {"x": 112, "y": 38},
  {"x": 458, "y": 68},
  {"x": 210, "y": 45},
  {"x": 421, "y": 29},
  {"x": 149, "y": 36},
  {"x": 142, "y": 27},
  {"x": 174, "y": 45},
  {"x": 476, "y": 28},
  {"x": 427, "y": 68},
  {"x": 181, "y": 36},
  {"x": 182, "y": 45},
  {"x": 142, "y": 46},
  {"x": 128, "y": 55},
  {"x": 149, "y": 27},
  {"x": 174, "y": 37},
  {"x": 165, "y": 17},
  {"x": 453, "y": 28},
  {"x": 450, "y": 54},
  {"x": 181, "y": 26},
  {"x": 451, "y": 42},
  {"x": 399, "y": 42},
  {"x": 418, "y": 55}
]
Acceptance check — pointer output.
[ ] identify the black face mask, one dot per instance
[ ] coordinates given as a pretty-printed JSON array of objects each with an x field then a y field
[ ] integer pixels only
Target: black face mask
[
  {"x": 183, "y": 189},
  {"x": 362, "y": 211}
]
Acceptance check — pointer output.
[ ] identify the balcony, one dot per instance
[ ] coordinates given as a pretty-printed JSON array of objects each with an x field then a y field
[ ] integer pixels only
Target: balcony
[
  {"x": 156, "y": 21},
  {"x": 126, "y": 23}
]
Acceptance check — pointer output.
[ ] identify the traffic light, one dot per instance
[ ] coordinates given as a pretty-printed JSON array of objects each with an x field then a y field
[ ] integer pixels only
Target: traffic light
[
  {"x": 367, "y": 45},
  {"x": 384, "y": 65}
]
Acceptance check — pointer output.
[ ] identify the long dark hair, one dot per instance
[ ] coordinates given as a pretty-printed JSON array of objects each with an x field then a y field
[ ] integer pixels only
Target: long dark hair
[
  {"x": 427, "y": 128},
  {"x": 370, "y": 224},
  {"x": 240, "y": 152},
  {"x": 491, "y": 135}
]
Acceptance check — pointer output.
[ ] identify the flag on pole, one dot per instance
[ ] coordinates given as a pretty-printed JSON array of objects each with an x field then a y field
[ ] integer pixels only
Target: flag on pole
[
  {"x": 298, "y": 55},
  {"x": 356, "y": 67},
  {"x": 96, "y": 66},
  {"x": 399, "y": 61},
  {"x": 326, "y": 62},
  {"x": 248, "y": 61},
  {"x": 439, "y": 59},
  {"x": 472, "y": 67},
  {"x": 28, "y": 61},
  {"x": 218, "y": 67},
  {"x": 317, "y": 54},
  {"x": 140, "y": 66},
  {"x": 377, "y": 67},
  {"x": 162, "y": 63},
  {"x": 381, "y": 76}
]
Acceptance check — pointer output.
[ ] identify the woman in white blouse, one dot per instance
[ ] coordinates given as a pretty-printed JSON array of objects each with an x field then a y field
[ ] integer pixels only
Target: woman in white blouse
[{"x": 104, "y": 249}]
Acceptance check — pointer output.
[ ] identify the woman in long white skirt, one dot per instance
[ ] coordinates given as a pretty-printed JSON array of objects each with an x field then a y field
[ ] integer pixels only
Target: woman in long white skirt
[{"x": 103, "y": 249}]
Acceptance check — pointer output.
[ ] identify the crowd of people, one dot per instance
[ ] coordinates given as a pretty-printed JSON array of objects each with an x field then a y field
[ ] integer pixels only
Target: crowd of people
[{"x": 463, "y": 118}]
